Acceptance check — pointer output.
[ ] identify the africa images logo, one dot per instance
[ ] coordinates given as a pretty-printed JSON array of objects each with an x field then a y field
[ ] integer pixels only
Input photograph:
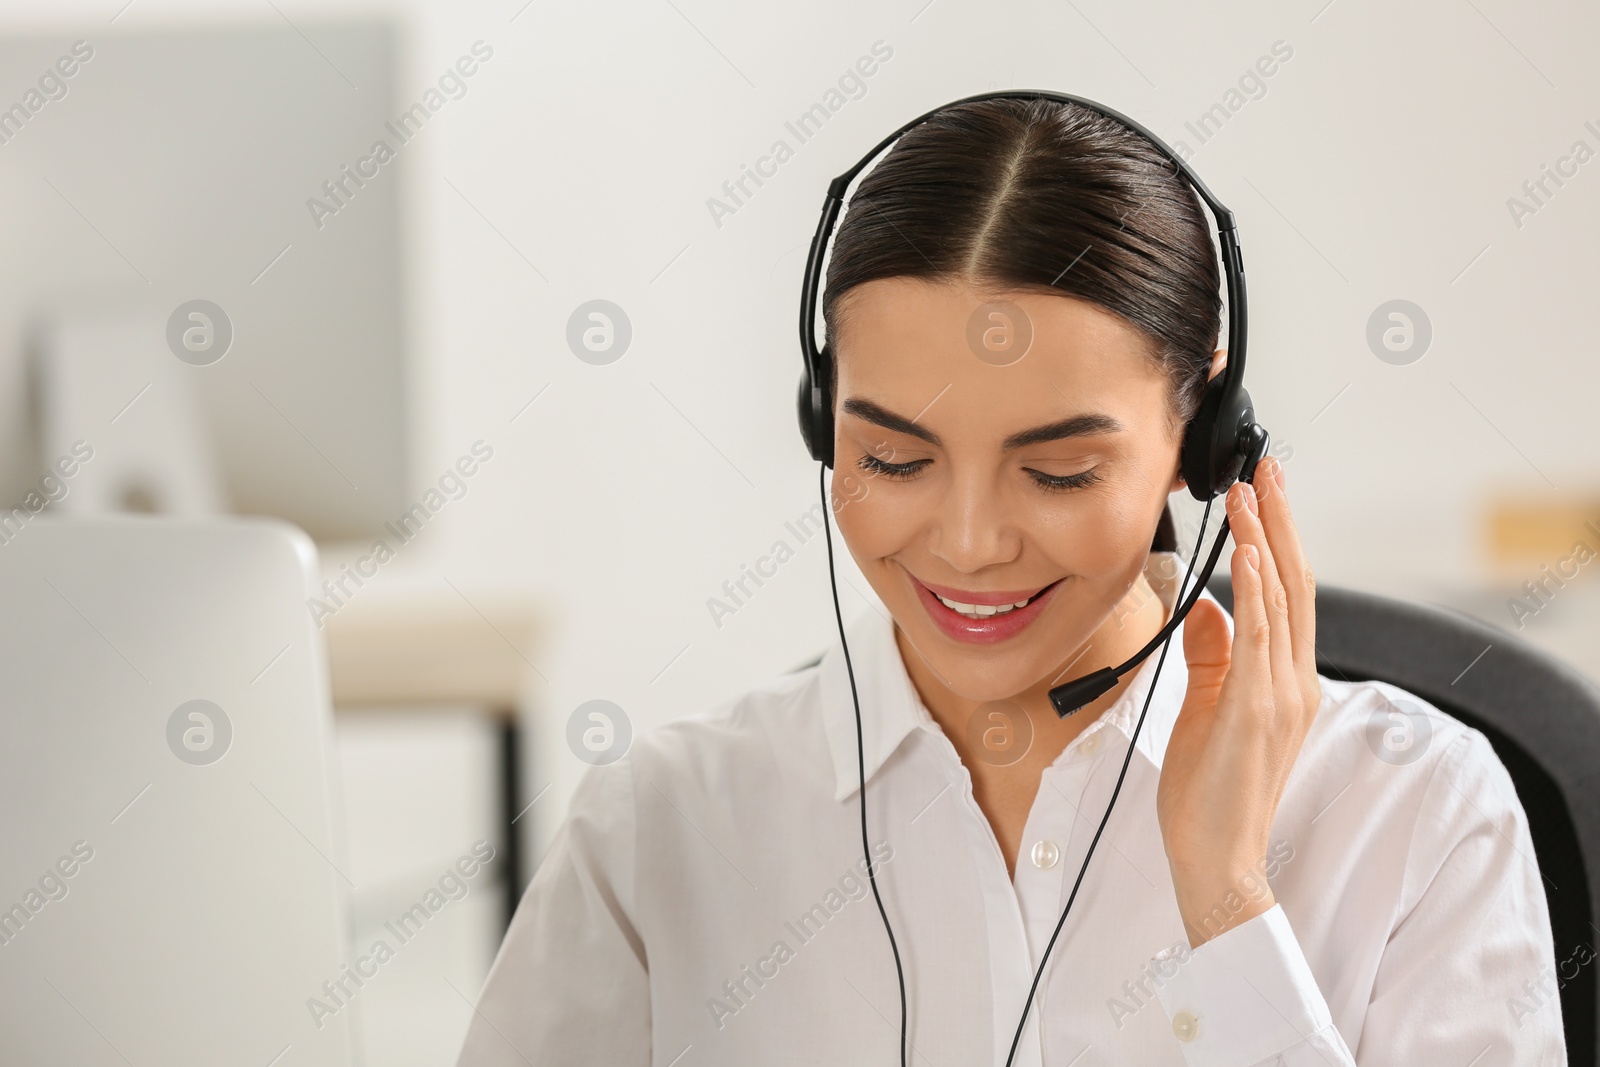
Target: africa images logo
[
  {"x": 741, "y": 989},
  {"x": 451, "y": 886},
  {"x": 852, "y": 85},
  {"x": 342, "y": 188}
]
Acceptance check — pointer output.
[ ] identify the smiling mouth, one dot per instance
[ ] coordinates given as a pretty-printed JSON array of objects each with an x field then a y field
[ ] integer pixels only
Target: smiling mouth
[
  {"x": 985, "y": 611},
  {"x": 983, "y": 624}
]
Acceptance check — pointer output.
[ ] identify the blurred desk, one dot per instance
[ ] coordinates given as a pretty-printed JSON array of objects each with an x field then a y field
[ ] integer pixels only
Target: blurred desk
[{"x": 389, "y": 653}]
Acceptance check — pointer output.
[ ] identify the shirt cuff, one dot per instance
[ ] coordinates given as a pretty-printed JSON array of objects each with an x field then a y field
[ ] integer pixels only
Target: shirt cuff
[{"x": 1244, "y": 996}]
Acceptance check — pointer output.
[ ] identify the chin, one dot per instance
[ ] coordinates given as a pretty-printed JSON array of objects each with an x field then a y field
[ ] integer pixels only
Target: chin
[{"x": 986, "y": 687}]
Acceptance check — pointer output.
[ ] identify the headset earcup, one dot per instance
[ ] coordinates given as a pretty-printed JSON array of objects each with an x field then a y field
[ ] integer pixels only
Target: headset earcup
[
  {"x": 1213, "y": 441},
  {"x": 822, "y": 408},
  {"x": 815, "y": 409},
  {"x": 1194, "y": 461},
  {"x": 803, "y": 410}
]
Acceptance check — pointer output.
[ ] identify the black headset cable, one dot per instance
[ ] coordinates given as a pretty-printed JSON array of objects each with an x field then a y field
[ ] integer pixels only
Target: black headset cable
[{"x": 861, "y": 765}]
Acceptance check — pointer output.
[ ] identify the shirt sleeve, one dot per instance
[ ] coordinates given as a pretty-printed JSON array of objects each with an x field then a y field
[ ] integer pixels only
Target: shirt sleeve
[
  {"x": 1469, "y": 972},
  {"x": 1467, "y": 975},
  {"x": 1247, "y": 996},
  {"x": 570, "y": 983}
]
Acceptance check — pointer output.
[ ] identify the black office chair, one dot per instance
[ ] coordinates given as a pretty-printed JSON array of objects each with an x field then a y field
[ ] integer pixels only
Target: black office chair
[{"x": 1543, "y": 720}]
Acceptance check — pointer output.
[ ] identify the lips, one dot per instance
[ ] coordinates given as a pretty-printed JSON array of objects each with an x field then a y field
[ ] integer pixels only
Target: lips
[
  {"x": 993, "y": 599},
  {"x": 989, "y": 629}
]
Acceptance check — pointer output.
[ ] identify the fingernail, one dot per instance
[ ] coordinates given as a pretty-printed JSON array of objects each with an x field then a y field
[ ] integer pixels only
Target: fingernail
[
  {"x": 1251, "y": 557},
  {"x": 1277, "y": 471},
  {"x": 1250, "y": 498}
]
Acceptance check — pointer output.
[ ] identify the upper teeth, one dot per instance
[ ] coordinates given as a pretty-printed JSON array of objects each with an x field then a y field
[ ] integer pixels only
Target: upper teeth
[{"x": 979, "y": 611}]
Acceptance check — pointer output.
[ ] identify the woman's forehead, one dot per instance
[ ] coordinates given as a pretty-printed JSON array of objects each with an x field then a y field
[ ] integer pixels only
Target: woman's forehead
[{"x": 898, "y": 336}]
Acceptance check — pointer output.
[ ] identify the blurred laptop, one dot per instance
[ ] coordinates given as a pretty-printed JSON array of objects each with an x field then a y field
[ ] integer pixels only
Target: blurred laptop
[{"x": 171, "y": 883}]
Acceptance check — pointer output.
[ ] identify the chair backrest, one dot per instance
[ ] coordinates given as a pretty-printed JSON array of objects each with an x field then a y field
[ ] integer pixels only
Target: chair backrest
[
  {"x": 171, "y": 883},
  {"x": 1543, "y": 720}
]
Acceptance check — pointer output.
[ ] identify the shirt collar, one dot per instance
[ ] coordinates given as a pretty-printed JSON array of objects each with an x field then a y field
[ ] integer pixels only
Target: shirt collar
[{"x": 891, "y": 708}]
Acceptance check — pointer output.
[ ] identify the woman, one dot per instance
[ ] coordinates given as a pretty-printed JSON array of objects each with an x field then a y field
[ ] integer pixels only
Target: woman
[{"x": 1277, "y": 883}]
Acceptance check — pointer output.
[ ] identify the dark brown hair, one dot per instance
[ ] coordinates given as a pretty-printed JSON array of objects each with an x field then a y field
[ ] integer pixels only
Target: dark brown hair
[{"x": 1041, "y": 195}]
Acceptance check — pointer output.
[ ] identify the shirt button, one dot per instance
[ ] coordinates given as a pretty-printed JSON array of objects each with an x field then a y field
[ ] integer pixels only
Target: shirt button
[
  {"x": 1045, "y": 854},
  {"x": 1091, "y": 744},
  {"x": 1185, "y": 1026}
]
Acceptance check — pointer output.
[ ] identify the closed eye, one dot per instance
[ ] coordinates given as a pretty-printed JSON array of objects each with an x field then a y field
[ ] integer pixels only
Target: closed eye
[
  {"x": 1063, "y": 483},
  {"x": 873, "y": 465}
]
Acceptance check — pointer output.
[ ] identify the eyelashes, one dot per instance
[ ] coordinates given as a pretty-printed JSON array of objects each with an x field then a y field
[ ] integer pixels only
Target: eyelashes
[
  {"x": 1067, "y": 482},
  {"x": 875, "y": 466},
  {"x": 1050, "y": 483}
]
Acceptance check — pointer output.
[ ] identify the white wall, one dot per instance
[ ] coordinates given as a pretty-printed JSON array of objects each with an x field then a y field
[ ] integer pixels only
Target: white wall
[{"x": 1377, "y": 166}]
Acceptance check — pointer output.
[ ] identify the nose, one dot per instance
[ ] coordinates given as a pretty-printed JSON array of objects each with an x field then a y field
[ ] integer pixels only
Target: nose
[{"x": 971, "y": 527}]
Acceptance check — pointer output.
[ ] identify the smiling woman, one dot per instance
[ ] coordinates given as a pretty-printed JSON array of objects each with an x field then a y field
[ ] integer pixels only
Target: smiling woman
[{"x": 1015, "y": 527}]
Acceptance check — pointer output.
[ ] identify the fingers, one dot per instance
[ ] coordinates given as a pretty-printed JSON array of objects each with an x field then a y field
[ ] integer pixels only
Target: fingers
[
  {"x": 1206, "y": 646},
  {"x": 1293, "y": 569},
  {"x": 1250, "y": 671},
  {"x": 1247, "y": 530}
]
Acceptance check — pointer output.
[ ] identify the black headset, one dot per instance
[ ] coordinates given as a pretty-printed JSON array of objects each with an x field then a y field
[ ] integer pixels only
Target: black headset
[{"x": 1222, "y": 444}]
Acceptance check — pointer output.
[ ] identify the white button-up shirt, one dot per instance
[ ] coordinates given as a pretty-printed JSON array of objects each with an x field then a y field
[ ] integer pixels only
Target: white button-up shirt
[{"x": 705, "y": 901}]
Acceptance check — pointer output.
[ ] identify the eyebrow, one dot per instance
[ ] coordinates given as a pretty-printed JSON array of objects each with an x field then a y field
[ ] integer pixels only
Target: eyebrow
[{"x": 1073, "y": 426}]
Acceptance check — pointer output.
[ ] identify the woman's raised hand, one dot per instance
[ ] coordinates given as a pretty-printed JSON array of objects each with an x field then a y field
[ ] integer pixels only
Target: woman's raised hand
[{"x": 1249, "y": 705}]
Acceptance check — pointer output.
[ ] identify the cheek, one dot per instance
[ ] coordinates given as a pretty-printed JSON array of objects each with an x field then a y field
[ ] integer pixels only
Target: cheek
[
  {"x": 873, "y": 521},
  {"x": 1095, "y": 536},
  {"x": 1104, "y": 519}
]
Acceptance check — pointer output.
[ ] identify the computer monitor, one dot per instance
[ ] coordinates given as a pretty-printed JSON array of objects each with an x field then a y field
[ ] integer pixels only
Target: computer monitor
[
  {"x": 148, "y": 170},
  {"x": 171, "y": 874}
]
